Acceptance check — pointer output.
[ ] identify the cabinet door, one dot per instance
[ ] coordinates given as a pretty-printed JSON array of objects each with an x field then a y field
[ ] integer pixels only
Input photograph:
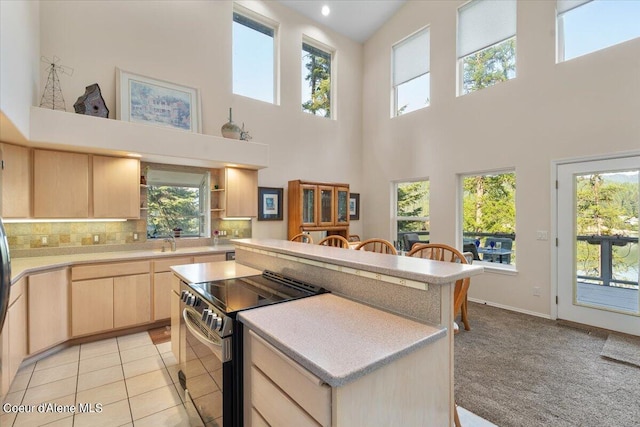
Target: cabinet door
[
  {"x": 116, "y": 187},
  {"x": 17, "y": 317},
  {"x": 5, "y": 380},
  {"x": 162, "y": 295},
  {"x": 48, "y": 311},
  {"x": 342, "y": 206},
  {"x": 60, "y": 184},
  {"x": 309, "y": 203},
  {"x": 241, "y": 190},
  {"x": 91, "y": 306},
  {"x": 326, "y": 211},
  {"x": 16, "y": 177},
  {"x": 175, "y": 323},
  {"x": 131, "y": 300}
]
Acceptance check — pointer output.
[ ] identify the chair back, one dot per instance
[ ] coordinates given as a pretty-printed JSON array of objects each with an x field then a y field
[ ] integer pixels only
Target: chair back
[
  {"x": 410, "y": 239},
  {"x": 377, "y": 245},
  {"x": 446, "y": 253},
  {"x": 302, "y": 237},
  {"x": 335, "y": 240},
  {"x": 353, "y": 238}
]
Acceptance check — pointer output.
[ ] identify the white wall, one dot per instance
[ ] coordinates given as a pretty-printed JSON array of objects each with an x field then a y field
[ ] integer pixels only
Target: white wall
[
  {"x": 584, "y": 107},
  {"x": 19, "y": 63},
  {"x": 189, "y": 42}
]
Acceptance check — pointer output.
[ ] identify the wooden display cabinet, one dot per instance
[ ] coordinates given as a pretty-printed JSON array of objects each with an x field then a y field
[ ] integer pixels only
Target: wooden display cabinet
[{"x": 317, "y": 206}]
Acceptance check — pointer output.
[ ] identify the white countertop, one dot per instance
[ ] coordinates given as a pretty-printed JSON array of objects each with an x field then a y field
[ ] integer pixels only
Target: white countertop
[
  {"x": 206, "y": 272},
  {"x": 337, "y": 339},
  {"x": 22, "y": 266}
]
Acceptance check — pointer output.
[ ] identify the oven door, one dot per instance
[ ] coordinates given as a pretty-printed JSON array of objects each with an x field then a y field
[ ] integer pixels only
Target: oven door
[{"x": 202, "y": 370}]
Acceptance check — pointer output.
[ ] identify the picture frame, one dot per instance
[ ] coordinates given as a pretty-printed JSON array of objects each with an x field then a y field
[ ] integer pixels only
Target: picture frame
[
  {"x": 270, "y": 204},
  {"x": 142, "y": 99},
  {"x": 354, "y": 206}
]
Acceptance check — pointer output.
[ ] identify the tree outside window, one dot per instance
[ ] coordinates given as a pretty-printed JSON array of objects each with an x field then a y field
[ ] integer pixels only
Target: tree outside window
[
  {"x": 412, "y": 209},
  {"x": 316, "y": 81}
]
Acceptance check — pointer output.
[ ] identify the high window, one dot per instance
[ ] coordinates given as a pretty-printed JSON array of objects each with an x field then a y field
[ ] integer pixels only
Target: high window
[
  {"x": 489, "y": 217},
  {"x": 253, "y": 58},
  {"x": 177, "y": 203},
  {"x": 585, "y": 26},
  {"x": 486, "y": 43},
  {"x": 411, "y": 78},
  {"x": 316, "y": 80},
  {"x": 411, "y": 212}
]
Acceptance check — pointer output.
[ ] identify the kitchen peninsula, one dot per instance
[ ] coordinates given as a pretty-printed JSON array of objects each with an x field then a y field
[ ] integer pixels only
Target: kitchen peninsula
[{"x": 380, "y": 346}]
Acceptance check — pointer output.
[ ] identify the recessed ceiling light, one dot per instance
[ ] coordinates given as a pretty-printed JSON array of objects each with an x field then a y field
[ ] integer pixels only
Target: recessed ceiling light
[{"x": 325, "y": 10}]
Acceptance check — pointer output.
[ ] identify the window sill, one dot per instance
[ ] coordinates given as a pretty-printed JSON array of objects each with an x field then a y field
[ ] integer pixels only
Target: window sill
[{"x": 490, "y": 267}]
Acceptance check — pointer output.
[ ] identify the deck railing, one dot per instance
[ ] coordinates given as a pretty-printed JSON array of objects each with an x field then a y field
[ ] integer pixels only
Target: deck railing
[{"x": 607, "y": 268}]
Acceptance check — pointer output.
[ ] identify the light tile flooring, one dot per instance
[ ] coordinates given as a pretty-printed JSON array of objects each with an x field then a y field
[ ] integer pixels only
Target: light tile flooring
[{"x": 135, "y": 381}]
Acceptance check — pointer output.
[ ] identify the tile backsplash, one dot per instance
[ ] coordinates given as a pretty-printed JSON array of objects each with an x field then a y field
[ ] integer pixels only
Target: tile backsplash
[{"x": 72, "y": 234}]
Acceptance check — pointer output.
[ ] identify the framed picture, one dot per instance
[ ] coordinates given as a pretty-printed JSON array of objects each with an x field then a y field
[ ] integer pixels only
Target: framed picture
[
  {"x": 269, "y": 204},
  {"x": 354, "y": 206},
  {"x": 141, "y": 99}
]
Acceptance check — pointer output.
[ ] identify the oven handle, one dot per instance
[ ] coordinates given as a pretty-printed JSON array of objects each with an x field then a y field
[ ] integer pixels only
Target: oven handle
[{"x": 196, "y": 333}]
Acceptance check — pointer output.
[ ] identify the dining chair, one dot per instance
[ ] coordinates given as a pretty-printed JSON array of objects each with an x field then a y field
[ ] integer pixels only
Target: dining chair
[
  {"x": 441, "y": 252},
  {"x": 353, "y": 238},
  {"x": 302, "y": 237},
  {"x": 377, "y": 245},
  {"x": 335, "y": 240}
]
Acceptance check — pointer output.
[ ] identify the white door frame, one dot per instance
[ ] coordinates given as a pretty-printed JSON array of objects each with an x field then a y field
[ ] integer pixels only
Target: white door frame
[{"x": 554, "y": 211}]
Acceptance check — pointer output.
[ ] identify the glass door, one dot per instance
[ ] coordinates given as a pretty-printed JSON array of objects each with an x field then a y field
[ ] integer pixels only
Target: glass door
[
  {"x": 309, "y": 204},
  {"x": 326, "y": 206},
  {"x": 342, "y": 206},
  {"x": 598, "y": 251}
]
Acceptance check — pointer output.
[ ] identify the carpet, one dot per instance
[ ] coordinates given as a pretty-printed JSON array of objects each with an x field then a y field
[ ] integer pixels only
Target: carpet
[
  {"x": 623, "y": 348},
  {"x": 160, "y": 335},
  {"x": 523, "y": 371}
]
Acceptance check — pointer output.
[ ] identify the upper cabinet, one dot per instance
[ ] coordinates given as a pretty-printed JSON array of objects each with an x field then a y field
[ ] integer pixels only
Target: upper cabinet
[
  {"x": 60, "y": 184},
  {"x": 315, "y": 206},
  {"x": 16, "y": 180},
  {"x": 234, "y": 193},
  {"x": 116, "y": 187}
]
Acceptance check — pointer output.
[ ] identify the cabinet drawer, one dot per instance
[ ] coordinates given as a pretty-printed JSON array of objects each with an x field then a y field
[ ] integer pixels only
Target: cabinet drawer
[
  {"x": 163, "y": 265},
  {"x": 276, "y": 407},
  {"x": 16, "y": 290},
  {"x": 308, "y": 390},
  {"x": 257, "y": 420},
  {"x": 110, "y": 270},
  {"x": 209, "y": 258}
]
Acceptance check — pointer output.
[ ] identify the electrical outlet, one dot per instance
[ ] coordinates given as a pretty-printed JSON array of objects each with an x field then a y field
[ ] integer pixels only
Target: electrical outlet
[
  {"x": 44, "y": 240},
  {"x": 135, "y": 237},
  {"x": 96, "y": 238},
  {"x": 542, "y": 235}
]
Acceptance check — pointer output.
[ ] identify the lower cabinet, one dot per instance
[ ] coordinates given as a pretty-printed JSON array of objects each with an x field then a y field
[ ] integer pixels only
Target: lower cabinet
[
  {"x": 162, "y": 280},
  {"x": 91, "y": 306},
  {"x": 48, "y": 309},
  {"x": 13, "y": 347},
  {"x": 131, "y": 300}
]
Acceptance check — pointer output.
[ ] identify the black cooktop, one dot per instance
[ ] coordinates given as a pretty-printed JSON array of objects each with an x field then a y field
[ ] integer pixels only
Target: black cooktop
[{"x": 233, "y": 295}]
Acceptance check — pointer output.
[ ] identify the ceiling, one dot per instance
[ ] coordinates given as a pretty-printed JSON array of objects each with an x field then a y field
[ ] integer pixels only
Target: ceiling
[{"x": 356, "y": 19}]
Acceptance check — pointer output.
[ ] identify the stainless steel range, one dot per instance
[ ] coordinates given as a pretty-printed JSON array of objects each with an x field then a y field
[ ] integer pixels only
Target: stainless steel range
[{"x": 211, "y": 340}]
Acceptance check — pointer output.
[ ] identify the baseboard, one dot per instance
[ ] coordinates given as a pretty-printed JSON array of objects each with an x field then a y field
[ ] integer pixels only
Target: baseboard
[{"x": 508, "y": 307}]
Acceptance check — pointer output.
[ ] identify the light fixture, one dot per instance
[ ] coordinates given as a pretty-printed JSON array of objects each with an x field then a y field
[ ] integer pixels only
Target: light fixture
[{"x": 325, "y": 10}]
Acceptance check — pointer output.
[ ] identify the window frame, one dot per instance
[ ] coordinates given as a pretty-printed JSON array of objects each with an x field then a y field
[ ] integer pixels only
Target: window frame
[
  {"x": 260, "y": 24},
  {"x": 394, "y": 85},
  {"x": 395, "y": 218},
  {"x": 331, "y": 53}
]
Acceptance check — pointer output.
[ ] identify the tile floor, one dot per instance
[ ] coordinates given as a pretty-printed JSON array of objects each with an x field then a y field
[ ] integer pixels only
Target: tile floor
[{"x": 135, "y": 381}]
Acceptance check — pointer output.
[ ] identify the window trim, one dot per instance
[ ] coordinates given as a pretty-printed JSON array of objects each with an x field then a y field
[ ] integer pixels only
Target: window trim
[
  {"x": 394, "y": 85},
  {"x": 331, "y": 52}
]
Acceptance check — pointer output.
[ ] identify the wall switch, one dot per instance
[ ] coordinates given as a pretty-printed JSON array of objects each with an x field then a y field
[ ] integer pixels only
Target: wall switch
[
  {"x": 542, "y": 235},
  {"x": 44, "y": 240},
  {"x": 536, "y": 291},
  {"x": 96, "y": 238},
  {"x": 135, "y": 237}
]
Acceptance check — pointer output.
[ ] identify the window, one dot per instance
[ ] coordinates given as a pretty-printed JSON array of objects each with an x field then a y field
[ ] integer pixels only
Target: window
[
  {"x": 489, "y": 217},
  {"x": 585, "y": 26},
  {"x": 177, "y": 201},
  {"x": 253, "y": 58},
  {"x": 486, "y": 43},
  {"x": 412, "y": 212},
  {"x": 316, "y": 81},
  {"x": 411, "y": 78}
]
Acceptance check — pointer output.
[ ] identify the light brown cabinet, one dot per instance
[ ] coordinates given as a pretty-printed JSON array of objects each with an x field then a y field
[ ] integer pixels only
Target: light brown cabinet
[
  {"x": 236, "y": 194},
  {"x": 162, "y": 284},
  {"x": 116, "y": 187},
  {"x": 16, "y": 181},
  {"x": 131, "y": 300},
  {"x": 13, "y": 347},
  {"x": 48, "y": 309},
  {"x": 60, "y": 184},
  {"x": 91, "y": 306},
  {"x": 317, "y": 206}
]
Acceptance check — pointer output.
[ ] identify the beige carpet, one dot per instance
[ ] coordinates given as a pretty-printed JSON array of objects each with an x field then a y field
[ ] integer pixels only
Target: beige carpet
[
  {"x": 517, "y": 370},
  {"x": 623, "y": 348}
]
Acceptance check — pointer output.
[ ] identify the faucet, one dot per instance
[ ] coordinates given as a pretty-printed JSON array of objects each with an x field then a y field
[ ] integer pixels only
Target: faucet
[{"x": 171, "y": 240}]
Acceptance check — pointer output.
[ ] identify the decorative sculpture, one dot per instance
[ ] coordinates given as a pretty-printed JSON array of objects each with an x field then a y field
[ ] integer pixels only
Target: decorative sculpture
[{"x": 92, "y": 103}]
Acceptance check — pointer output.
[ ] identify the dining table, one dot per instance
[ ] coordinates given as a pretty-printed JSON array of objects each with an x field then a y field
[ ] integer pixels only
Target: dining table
[{"x": 494, "y": 252}]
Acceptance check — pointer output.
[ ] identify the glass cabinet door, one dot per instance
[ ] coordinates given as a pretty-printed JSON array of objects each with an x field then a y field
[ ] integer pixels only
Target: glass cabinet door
[
  {"x": 309, "y": 205},
  {"x": 342, "y": 206},
  {"x": 326, "y": 205}
]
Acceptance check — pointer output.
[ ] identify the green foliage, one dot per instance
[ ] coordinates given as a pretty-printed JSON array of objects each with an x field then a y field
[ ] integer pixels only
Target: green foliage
[
  {"x": 413, "y": 201},
  {"x": 489, "y": 66},
  {"x": 489, "y": 203},
  {"x": 319, "y": 79},
  {"x": 171, "y": 208}
]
